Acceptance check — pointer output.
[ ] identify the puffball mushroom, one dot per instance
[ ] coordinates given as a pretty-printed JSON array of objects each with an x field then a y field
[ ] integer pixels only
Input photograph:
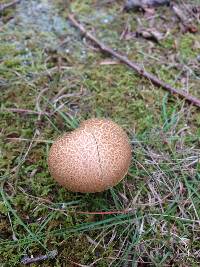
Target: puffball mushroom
[{"x": 92, "y": 158}]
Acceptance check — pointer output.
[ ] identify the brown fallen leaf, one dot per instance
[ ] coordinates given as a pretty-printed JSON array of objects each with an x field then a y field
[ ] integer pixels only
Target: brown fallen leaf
[
  {"x": 150, "y": 34},
  {"x": 192, "y": 28}
]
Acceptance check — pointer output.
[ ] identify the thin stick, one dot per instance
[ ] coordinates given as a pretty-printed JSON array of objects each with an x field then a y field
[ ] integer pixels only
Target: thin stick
[
  {"x": 52, "y": 254},
  {"x": 26, "y": 111},
  {"x": 195, "y": 101},
  {"x": 104, "y": 212},
  {"x": 19, "y": 139},
  {"x": 8, "y": 5}
]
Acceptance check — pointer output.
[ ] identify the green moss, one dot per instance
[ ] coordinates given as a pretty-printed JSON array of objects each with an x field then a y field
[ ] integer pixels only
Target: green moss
[
  {"x": 186, "y": 47},
  {"x": 168, "y": 43}
]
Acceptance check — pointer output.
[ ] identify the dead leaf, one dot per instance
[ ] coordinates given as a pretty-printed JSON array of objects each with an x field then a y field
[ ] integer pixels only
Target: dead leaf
[
  {"x": 192, "y": 28},
  {"x": 150, "y": 34}
]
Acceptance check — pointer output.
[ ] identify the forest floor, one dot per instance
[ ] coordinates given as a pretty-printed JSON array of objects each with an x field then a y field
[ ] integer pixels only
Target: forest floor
[{"x": 51, "y": 79}]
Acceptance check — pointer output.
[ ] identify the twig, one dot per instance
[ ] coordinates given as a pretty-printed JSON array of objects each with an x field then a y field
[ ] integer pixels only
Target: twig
[
  {"x": 8, "y": 5},
  {"x": 52, "y": 254},
  {"x": 19, "y": 139},
  {"x": 105, "y": 212},
  {"x": 77, "y": 264},
  {"x": 195, "y": 101},
  {"x": 26, "y": 111}
]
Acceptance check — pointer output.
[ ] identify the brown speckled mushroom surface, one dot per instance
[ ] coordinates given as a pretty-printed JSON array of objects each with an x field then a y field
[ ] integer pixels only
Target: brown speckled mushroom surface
[{"x": 91, "y": 158}]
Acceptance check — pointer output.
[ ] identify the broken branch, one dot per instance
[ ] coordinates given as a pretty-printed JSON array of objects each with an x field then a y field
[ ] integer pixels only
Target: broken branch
[{"x": 195, "y": 101}]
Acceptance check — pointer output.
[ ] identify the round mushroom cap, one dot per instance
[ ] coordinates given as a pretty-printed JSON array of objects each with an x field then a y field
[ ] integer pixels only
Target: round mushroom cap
[{"x": 92, "y": 158}]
